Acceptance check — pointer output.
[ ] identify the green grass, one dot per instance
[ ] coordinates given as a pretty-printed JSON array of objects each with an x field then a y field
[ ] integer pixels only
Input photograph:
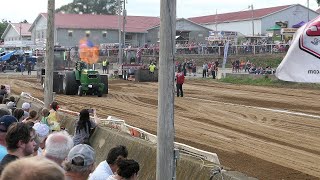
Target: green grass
[{"x": 265, "y": 81}]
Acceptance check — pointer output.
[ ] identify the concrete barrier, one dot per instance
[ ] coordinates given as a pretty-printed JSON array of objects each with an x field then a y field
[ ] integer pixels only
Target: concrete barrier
[
  {"x": 145, "y": 152},
  {"x": 252, "y": 76}
]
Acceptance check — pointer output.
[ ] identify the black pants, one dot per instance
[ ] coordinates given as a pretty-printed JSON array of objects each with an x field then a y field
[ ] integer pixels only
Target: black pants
[
  {"x": 179, "y": 90},
  {"x": 104, "y": 69},
  {"x": 213, "y": 74},
  {"x": 204, "y": 73}
]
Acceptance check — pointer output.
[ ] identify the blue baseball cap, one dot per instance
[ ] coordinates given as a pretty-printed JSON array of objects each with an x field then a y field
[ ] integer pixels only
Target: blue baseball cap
[{"x": 6, "y": 121}]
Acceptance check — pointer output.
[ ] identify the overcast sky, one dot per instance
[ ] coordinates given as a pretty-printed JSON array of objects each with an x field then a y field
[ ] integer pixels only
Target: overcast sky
[{"x": 18, "y": 10}]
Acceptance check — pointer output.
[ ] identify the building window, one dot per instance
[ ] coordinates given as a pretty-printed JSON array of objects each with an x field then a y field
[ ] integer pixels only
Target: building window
[
  {"x": 87, "y": 33},
  {"x": 104, "y": 34},
  {"x": 70, "y": 33},
  {"x": 129, "y": 36}
]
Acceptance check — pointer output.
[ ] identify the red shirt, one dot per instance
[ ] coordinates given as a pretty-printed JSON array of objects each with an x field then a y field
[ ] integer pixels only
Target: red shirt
[{"x": 180, "y": 78}]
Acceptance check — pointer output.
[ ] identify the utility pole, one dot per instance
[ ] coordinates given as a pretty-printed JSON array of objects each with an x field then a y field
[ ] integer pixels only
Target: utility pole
[
  {"x": 216, "y": 20},
  {"x": 252, "y": 18},
  {"x": 20, "y": 32},
  {"x": 20, "y": 37},
  {"x": 124, "y": 22},
  {"x": 119, "y": 23},
  {"x": 48, "y": 84},
  {"x": 165, "y": 128}
]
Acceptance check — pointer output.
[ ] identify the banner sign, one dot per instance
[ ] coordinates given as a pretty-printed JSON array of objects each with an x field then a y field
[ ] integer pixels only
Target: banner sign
[{"x": 302, "y": 61}]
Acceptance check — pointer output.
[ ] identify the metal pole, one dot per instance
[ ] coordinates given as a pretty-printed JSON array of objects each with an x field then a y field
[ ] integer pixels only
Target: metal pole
[
  {"x": 216, "y": 21},
  {"x": 48, "y": 84},
  {"x": 21, "y": 44},
  {"x": 124, "y": 22},
  {"x": 165, "y": 130},
  {"x": 119, "y": 23},
  {"x": 252, "y": 15},
  {"x": 20, "y": 32}
]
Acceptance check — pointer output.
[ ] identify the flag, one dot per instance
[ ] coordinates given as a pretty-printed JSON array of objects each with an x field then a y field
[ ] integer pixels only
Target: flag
[
  {"x": 225, "y": 53},
  {"x": 302, "y": 61}
]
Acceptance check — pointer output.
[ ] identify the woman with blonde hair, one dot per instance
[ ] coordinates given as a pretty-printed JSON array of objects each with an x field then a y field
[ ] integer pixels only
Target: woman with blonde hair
[{"x": 53, "y": 118}]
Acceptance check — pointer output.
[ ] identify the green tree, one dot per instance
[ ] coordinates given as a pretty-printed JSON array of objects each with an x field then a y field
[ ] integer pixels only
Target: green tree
[
  {"x": 24, "y": 21},
  {"x": 318, "y": 1},
  {"x": 3, "y": 26},
  {"x": 108, "y": 7}
]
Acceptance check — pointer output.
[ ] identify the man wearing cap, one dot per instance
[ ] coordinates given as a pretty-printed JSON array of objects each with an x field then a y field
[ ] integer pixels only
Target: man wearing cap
[
  {"x": 26, "y": 107},
  {"x": 79, "y": 163},
  {"x": 5, "y": 122},
  {"x": 109, "y": 166},
  {"x": 20, "y": 143}
]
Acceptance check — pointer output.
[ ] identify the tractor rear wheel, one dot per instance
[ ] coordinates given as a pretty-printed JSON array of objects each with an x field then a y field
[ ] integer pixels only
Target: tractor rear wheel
[{"x": 70, "y": 86}]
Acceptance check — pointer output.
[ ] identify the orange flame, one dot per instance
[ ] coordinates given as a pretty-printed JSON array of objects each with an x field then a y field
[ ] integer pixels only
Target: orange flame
[{"x": 88, "y": 53}]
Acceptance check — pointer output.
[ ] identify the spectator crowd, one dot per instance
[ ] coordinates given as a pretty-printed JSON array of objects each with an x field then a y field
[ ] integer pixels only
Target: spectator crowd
[{"x": 35, "y": 145}]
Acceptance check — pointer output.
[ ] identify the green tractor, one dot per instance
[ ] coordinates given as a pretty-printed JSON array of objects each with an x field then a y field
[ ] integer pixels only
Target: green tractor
[
  {"x": 84, "y": 81},
  {"x": 72, "y": 77}
]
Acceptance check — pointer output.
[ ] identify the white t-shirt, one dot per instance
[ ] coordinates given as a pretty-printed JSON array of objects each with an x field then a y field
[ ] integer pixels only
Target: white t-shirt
[
  {"x": 102, "y": 172},
  {"x": 112, "y": 177}
]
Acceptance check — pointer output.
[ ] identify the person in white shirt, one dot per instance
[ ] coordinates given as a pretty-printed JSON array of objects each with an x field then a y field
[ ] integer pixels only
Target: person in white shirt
[{"x": 109, "y": 167}]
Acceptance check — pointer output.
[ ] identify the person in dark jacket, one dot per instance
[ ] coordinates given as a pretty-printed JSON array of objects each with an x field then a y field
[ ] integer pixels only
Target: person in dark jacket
[{"x": 3, "y": 91}]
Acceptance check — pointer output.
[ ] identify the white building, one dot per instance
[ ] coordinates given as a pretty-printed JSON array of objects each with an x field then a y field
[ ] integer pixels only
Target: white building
[
  {"x": 17, "y": 35},
  {"x": 257, "y": 21}
]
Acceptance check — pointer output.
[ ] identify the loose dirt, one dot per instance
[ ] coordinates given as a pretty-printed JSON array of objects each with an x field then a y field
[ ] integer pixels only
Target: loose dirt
[{"x": 221, "y": 118}]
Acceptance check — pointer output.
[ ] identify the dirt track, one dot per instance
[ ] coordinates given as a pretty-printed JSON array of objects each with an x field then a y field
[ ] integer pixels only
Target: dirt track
[{"x": 214, "y": 117}]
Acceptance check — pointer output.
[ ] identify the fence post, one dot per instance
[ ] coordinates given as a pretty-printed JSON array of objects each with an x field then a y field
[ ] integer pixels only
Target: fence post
[
  {"x": 254, "y": 49},
  {"x": 236, "y": 49}
]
